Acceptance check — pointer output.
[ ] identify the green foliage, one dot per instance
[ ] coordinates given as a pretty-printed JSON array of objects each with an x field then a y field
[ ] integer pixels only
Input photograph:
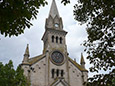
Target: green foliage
[
  {"x": 65, "y": 2},
  {"x": 99, "y": 15},
  {"x": 15, "y": 15},
  {"x": 103, "y": 80},
  {"x": 11, "y": 77}
]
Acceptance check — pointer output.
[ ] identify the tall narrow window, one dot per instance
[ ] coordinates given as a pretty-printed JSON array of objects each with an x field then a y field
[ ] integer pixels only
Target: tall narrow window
[
  {"x": 60, "y": 40},
  {"x": 57, "y": 72},
  {"x": 62, "y": 72},
  {"x": 56, "y": 39},
  {"x": 52, "y": 71},
  {"x": 52, "y": 38}
]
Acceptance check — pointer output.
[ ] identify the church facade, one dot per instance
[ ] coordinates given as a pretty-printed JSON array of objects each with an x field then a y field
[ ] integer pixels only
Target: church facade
[{"x": 54, "y": 67}]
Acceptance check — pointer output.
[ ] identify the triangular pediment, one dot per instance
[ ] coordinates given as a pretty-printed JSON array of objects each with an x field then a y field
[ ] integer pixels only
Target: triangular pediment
[{"x": 60, "y": 82}]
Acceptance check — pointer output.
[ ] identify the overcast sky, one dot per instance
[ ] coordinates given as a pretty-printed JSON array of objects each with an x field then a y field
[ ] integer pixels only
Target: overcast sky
[{"x": 13, "y": 48}]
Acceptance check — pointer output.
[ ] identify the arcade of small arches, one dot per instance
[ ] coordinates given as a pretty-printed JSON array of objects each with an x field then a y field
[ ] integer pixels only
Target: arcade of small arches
[
  {"x": 56, "y": 39},
  {"x": 57, "y": 73}
]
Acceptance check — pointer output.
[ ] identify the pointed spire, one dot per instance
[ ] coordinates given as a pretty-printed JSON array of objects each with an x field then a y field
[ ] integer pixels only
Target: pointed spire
[
  {"x": 26, "y": 55},
  {"x": 53, "y": 10},
  {"x": 82, "y": 61},
  {"x": 27, "y": 50}
]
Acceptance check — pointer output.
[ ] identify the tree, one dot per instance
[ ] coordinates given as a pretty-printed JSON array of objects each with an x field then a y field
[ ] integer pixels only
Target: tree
[
  {"x": 103, "y": 80},
  {"x": 99, "y": 15},
  {"x": 15, "y": 15},
  {"x": 11, "y": 77}
]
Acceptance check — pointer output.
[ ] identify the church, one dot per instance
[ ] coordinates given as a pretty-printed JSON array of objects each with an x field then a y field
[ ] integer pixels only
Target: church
[{"x": 54, "y": 67}]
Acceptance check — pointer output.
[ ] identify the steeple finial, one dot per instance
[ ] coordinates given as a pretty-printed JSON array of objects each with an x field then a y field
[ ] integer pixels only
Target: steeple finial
[
  {"x": 82, "y": 61},
  {"x": 53, "y": 10},
  {"x": 26, "y": 54},
  {"x": 27, "y": 50}
]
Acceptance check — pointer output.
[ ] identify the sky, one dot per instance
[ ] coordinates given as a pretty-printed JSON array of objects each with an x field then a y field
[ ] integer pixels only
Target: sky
[{"x": 13, "y": 48}]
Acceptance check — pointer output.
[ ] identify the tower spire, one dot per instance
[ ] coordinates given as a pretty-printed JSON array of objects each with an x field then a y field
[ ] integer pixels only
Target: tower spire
[
  {"x": 27, "y": 50},
  {"x": 82, "y": 61},
  {"x": 26, "y": 54},
  {"x": 54, "y": 33},
  {"x": 53, "y": 10}
]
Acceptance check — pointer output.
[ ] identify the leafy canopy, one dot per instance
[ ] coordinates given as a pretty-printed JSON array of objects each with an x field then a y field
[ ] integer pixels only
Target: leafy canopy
[
  {"x": 99, "y": 15},
  {"x": 15, "y": 15},
  {"x": 11, "y": 77}
]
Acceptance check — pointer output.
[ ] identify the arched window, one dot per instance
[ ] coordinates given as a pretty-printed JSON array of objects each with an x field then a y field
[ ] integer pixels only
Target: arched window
[
  {"x": 52, "y": 38},
  {"x": 60, "y": 40},
  {"x": 56, "y": 39},
  {"x": 62, "y": 73},
  {"x": 53, "y": 71},
  {"x": 57, "y": 72}
]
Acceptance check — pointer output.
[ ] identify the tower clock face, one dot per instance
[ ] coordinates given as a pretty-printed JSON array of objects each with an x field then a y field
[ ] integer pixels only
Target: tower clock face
[
  {"x": 57, "y": 57},
  {"x": 56, "y": 25}
]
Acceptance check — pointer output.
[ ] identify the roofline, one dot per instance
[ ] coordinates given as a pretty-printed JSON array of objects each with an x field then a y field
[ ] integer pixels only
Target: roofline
[{"x": 77, "y": 65}]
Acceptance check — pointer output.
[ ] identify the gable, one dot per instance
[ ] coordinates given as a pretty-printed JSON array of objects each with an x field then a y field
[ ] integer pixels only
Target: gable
[{"x": 60, "y": 82}]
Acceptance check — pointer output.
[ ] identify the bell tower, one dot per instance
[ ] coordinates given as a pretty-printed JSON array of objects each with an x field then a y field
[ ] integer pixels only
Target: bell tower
[
  {"x": 55, "y": 48},
  {"x": 54, "y": 36}
]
